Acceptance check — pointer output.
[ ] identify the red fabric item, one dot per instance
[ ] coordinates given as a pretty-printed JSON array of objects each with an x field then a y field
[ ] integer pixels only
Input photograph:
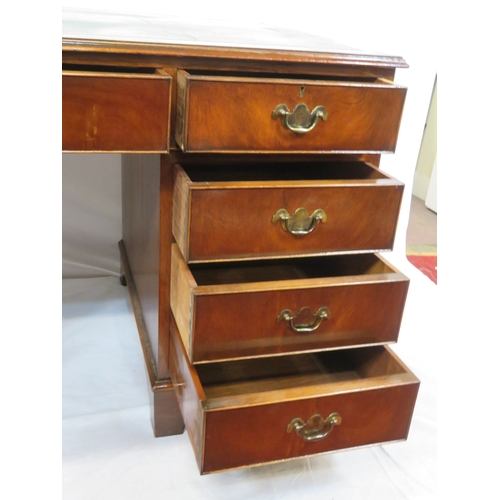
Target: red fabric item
[{"x": 427, "y": 264}]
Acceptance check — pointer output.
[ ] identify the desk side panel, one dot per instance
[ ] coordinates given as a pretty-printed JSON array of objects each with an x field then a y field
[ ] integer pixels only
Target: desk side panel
[{"x": 140, "y": 232}]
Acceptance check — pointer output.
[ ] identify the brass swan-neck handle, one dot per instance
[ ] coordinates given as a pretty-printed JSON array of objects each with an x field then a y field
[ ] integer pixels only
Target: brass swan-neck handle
[
  {"x": 300, "y": 223},
  {"x": 300, "y": 120}
]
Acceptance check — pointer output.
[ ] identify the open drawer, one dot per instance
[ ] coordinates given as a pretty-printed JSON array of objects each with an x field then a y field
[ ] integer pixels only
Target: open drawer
[
  {"x": 257, "y": 308},
  {"x": 115, "y": 110},
  {"x": 250, "y": 412},
  {"x": 220, "y": 113},
  {"x": 236, "y": 212}
]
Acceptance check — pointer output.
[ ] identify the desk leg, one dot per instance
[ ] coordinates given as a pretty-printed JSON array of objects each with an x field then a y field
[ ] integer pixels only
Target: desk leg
[{"x": 165, "y": 415}]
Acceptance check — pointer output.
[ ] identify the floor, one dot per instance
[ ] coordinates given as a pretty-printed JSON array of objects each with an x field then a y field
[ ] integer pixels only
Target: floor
[{"x": 421, "y": 238}]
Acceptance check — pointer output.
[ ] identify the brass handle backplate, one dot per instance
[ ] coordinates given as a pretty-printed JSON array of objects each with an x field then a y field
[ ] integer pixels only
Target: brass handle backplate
[
  {"x": 300, "y": 120},
  {"x": 300, "y": 223},
  {"x": 315, "y": 428},
  {"x": 321, "y": 314}
]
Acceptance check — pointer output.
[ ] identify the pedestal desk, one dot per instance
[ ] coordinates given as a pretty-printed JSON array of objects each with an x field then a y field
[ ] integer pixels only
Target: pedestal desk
[{"x": 254, "y": 215}]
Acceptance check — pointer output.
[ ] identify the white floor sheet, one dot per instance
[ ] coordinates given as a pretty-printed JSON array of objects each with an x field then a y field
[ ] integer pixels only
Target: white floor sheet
[{"x": 109, "y": 451}]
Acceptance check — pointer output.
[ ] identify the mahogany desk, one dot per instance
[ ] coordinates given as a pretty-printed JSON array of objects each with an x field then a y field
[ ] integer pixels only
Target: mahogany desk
[{"x": 254, "y": 214}]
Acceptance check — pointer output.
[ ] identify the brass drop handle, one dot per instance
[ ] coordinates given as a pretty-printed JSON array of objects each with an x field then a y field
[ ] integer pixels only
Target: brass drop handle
[
  {"x": 300, "y": 223},
  {"x": 321, "y": 314},
  {"x": 300, "y": 120},
  {"x": 315, "y": 428}
]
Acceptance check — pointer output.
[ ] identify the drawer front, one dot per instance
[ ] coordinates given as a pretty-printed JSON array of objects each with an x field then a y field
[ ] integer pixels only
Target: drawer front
[
  {"x": 115, "y": 112},
  {"x": 248, "y": 220},
  {"x": 275, "y": 421},
  {"x": 226, "y": 321},
  {"x": 236, "y": 114},
  {"x": 254, "y": 435}
]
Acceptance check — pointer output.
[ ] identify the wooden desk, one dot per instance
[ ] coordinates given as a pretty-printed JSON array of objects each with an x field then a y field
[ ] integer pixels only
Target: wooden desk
[{"x": 254, "y": 212}]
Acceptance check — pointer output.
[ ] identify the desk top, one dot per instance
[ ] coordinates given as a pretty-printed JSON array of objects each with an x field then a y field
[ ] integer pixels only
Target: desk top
[{"x": 85, "y": 30}]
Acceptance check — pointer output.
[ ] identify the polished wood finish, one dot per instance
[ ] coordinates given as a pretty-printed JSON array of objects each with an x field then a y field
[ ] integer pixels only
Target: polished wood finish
[
  {"x": 326, "y": 53},
  {"x": 208, "y": 271},
  {"x": 151, "y": 40},
  {"x": 165, "y": 414},
  {"x": 166, "y": 417},
  {"x": 141, "y": 239},
  {"x": 115, "y": 112},
  {"x": 128, "y": 278},
  {"x": 233, "y": 422},
  {"x": 164, "y": 233},
  {"x": 188, "y": 390},
  {"x": 233, "y": 114},
  {"x": 147, "y": 237},
  {"x": 224, "y": 212},
  {"x": 230, "y": 311}
]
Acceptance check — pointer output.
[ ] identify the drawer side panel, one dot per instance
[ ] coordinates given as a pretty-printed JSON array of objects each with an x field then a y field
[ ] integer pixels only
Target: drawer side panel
[
  {"x": 187, "y": 390},
  {"x": 181, "y": 209},
  {"x": 181, "y": 296}
]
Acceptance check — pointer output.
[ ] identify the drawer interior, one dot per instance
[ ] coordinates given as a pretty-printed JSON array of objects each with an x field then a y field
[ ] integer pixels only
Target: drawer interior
[
  {"x": 238, "y": 378},
  {"x": 298, "y": 268},
  {"x": 289, "y": 171},
  {"x": 287, "y": 76},
  {"x": 108, "y": 69}
]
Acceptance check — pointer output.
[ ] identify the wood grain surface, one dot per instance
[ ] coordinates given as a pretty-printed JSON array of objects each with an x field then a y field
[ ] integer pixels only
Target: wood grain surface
[
  {"x": 231, "y": 426},
  {"x": 115, "y": 112},
  {"x": 226, "y": 212},
  {"x": 233, "y": 114},
  {"x": 231, "y": 310}
]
